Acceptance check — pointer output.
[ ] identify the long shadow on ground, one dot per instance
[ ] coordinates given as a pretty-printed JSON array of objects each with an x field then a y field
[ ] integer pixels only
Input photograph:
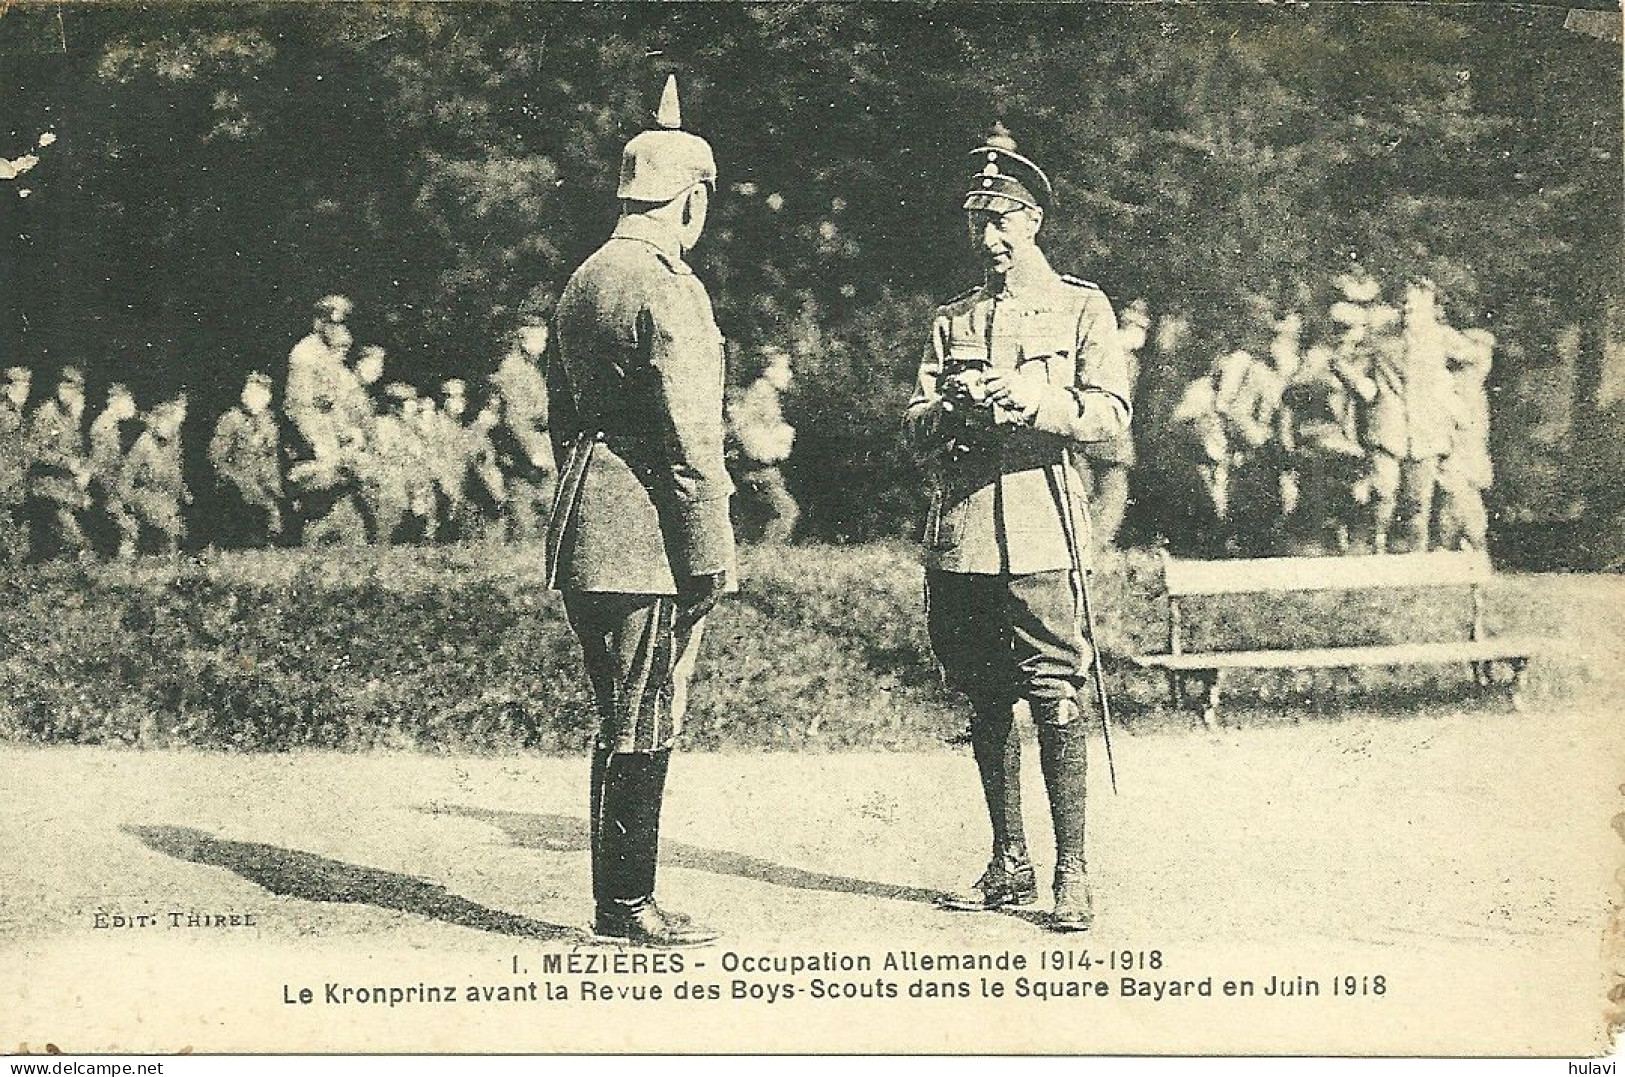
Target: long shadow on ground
[
  {"x": 564, "y": 834},
  {"x": 290, "y": 873}
]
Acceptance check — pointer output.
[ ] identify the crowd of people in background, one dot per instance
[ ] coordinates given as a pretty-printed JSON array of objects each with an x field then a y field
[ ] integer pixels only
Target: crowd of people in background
[
  {"x": 117, "y": 486},
  {"x": 339, "y": 456},
  {"x": 1374, "y": 439}
]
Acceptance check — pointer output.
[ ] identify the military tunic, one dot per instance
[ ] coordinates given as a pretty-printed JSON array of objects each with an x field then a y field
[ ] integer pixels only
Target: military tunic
[
  {"x": 998, "y": 507},
  {"x": 635, "y": 380},
  {"x": 1007, "y": 519},
  {"x": 245, "y": 453}
]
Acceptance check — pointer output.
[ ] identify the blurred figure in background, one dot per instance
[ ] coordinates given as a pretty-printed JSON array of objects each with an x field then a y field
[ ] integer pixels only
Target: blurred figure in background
[
  {"x": 58, "y": 472},
  {"x": 1411, "y": 418},
  {"x": 1247, "y": 398},
  {"x": 385, "y": 484},
  {"x": 524, "y": 450},
  {"x": 1110, "y": 461},
  {"x": 319, "y": 385},
  {"x": 109, "y": 522},
  {"x": 13, "y": 462},
  {"x": 1199, "y": 473},
  {"x": 424, "y": 470},
  {"x": 245, "y": 453},
  {"x": 1321, "y": 444},
  {"x": 450, "y": 456},
  {"x": 1467, "y": 471},
  {"x": 486, "y": 491},
  {"x": 155, "y": 488},
  {"x": 763, "y": 441}
]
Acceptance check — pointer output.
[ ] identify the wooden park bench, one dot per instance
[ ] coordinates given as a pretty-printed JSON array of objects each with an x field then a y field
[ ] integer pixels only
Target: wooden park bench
[{"x": 1183, "y": 579}]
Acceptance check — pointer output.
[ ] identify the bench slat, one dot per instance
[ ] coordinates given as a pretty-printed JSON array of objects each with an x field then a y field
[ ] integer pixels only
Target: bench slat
[
  {"x": 1399, "y": 654},
  {"x": 1244, "y": 576}
]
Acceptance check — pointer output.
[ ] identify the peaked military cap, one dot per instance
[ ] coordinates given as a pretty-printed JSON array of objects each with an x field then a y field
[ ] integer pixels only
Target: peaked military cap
[
  {"x": 1004, "y": 180},
  {"x": 659, "y": 165}
]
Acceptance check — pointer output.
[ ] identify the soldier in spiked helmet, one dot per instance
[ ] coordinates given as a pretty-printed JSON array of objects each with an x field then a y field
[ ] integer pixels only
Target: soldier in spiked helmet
[
  {"x": 1019, "y": 376},
  {"x": 639, "y": 540}
]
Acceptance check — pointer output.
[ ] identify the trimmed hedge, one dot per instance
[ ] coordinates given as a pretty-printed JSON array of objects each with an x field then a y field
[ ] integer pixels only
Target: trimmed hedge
[{"x": 461, "y": 649}]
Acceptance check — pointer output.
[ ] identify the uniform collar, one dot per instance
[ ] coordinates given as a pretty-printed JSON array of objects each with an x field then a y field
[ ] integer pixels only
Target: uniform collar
[
  {"x": 1029, "y": 280},
  {"x": 648, "y": 230}
]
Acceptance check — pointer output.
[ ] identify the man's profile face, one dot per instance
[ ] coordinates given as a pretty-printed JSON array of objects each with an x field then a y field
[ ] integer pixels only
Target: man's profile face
[
  {"x": 1002, "y": 238},
  {"x": 696, "y": 209}
]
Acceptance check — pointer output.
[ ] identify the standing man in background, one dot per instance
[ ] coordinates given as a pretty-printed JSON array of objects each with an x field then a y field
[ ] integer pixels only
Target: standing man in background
[
  {"x": 764, "y": 441},
  {"x": 524, "y": 451},
  {"x": 639, "y": 540},
  {"x": 112, "y": 435},
  {"x": 245, "y": 452},
  {"x": 1019, "y": 375},
  {"x": 1467, "y": 471},
  {"x": 58, "y": 472},
  {"x": 154, "y": 484}
]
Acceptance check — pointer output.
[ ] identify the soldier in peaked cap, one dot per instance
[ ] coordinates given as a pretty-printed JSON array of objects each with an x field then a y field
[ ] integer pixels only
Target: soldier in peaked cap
[
  {"x": 1019, "y": 375},
  {"x": 639, "y": 539}
]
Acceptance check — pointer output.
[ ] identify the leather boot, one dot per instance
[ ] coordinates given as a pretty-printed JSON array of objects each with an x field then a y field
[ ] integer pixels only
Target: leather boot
[
  {"x": 1009, "y": 878},
  {"x": 1064, "y": 755},
  {"x": 595, "y": 824},
  {"x": 627, "y": 852}
]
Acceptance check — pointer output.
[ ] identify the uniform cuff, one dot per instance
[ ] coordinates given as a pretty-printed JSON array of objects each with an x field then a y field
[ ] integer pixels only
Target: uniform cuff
[
  {"x": 1057, "y": 412},
  {"x": 706, "y": 542}
]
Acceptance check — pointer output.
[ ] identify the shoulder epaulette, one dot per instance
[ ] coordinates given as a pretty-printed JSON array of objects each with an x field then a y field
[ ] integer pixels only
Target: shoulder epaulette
[
  {"x": 1079, "y": 282},
  {"x": 960, "y": 298}
]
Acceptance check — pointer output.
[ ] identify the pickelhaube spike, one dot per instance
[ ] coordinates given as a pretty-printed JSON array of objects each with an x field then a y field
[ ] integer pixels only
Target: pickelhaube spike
[
  {"x": 1001, "y": 138},
  {"x": 670, "y": 114},
  {"x": 660, "y": 164}
]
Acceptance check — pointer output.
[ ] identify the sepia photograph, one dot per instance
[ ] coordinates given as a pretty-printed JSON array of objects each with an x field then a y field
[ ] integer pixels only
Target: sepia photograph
[{"x": 994, "y": 529}]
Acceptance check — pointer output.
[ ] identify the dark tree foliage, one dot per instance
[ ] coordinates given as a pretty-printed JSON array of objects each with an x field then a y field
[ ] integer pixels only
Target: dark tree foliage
[{"x": 219, "y": 167}]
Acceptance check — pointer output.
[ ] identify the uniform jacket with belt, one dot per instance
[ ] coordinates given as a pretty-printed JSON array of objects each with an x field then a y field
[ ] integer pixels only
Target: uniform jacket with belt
[
  {"x": 998, "y": 503},
  {"x": 635, "y": 380}
]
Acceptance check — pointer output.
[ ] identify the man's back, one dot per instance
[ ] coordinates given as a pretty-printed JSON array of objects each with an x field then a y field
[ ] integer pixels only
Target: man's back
[{"x": 635, "y": 396}]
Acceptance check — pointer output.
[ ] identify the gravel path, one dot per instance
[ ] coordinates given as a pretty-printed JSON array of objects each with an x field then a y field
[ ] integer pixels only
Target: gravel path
[{"x": 1468, "y": 858}]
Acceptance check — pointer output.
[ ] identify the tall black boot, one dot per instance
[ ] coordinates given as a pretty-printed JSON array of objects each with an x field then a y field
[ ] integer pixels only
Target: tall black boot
[
  {"x": 1063, "y": 752},
  {"x": 632, "y": 790},
  {"x": 595, "y": 825},
  {"x": 1008, "y": 880},
  {"x": 996, "y": 743}
]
